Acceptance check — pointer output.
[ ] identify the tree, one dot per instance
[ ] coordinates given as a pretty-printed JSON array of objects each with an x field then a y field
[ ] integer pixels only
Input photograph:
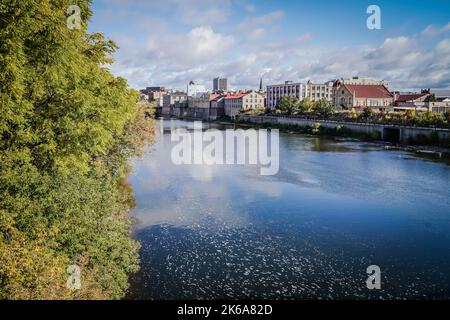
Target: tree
[
  {"x": 324, "y": 108},
  {"x": 306, "y": 105},
  {"x": 447, "y": 115},
  {"x": 288, "y": 105},
  {"x": 432, "y": 98},
  {"x": 67, "y": 126}
]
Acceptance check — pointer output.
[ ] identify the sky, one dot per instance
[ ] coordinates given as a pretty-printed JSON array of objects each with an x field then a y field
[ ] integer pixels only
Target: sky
[{"x": 170, "y": 42}]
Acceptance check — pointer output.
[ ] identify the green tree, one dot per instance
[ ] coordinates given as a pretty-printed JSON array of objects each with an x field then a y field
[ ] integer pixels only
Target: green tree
[
  {"x": 324, "y": 108},
  {"x": 431, "y": 98},
  {"x": 447, "y": 116},
  {"x": 67, "y": 127},
  {"x": 306, "y": 105},
  {"x": 288, "y": 105}
]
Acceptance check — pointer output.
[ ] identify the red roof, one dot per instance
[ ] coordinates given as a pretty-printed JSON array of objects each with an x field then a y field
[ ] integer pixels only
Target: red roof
[
  {"x": 238, "y": 95},
  {"x": 217, "y": 98},
  {"x": 410, "y": 97},
  {"x": 369, "y": 91},
  {"x": 214, "y": 96}
]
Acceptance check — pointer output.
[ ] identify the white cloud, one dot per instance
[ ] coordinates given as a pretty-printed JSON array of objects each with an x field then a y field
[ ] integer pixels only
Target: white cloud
[
  {"x": 199, "y": 46},
  {"x": 200, "y": 12},
  {"x": 204, "y": 42},
  {"x": 443, "y": 47},
  {"x": 430, "y": 31},
  {"x": 446, "y": 28},
  {"x": 254, "y": 47},
  {"x": 264, "y": 20}
]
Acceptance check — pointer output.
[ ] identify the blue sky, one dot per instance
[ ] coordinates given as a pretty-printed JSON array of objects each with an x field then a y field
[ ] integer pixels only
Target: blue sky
[{"x": 174, "y": 41}]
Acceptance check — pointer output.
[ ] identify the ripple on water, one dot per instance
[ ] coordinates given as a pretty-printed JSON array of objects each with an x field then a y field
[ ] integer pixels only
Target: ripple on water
[{"x": 247, "y": 263}]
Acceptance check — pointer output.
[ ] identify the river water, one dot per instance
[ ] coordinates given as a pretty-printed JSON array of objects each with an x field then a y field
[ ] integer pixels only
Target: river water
[{"x": 310, "y": 232}]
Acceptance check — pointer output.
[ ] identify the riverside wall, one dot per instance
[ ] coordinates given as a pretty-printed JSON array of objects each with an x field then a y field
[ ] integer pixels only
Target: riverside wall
[{"x": 402, "y": 134}]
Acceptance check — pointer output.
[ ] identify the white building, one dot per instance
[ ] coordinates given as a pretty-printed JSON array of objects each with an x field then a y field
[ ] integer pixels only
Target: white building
[
  {"x": 194, "y": 89},
  {"x": 313, "y": 91}
]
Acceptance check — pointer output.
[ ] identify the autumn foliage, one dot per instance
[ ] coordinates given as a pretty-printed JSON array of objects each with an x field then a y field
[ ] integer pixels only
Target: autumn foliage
[{"x": 67, "y": 128}]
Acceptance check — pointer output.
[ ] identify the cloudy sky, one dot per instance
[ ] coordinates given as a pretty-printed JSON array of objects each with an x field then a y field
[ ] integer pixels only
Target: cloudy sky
[{"x": 171, "y": 42}]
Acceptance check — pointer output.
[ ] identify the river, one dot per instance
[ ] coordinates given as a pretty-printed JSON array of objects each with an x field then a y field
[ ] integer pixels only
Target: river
[{"x": 335, "y": 207}]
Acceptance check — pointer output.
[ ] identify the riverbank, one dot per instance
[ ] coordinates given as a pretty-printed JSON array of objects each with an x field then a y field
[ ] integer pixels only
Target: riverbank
[
  {"x": 341, "y": 132},
  {"x": 376, "y": 131},
  {"x": 435, "y": 152}
]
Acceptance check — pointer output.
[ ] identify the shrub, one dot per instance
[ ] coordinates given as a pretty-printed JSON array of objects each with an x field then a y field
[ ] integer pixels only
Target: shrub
[
  {"x": 447, "y": 116},
  {"x": 340, "y": 129},
  {"x": 368, "y": 113},
  {"x": 315, "y": 129}
]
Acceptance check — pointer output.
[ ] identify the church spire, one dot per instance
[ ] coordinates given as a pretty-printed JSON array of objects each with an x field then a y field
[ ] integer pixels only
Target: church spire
[{"x": 260, "y": 85}]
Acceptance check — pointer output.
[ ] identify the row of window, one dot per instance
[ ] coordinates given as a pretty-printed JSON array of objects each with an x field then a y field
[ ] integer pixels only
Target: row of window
[
  {"x": 294, "y": 89},
  {"x": 370, "y": 103}
]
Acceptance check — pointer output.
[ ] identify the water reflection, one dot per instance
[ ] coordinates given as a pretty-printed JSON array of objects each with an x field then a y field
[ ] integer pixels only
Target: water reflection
[{"x": 334, "y": 208}]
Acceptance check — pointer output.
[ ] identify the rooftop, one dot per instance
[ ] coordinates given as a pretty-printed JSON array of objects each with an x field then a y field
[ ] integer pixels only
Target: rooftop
[
  {"x": 369, "y": 91},
  {"x": 410, "y": 97}
]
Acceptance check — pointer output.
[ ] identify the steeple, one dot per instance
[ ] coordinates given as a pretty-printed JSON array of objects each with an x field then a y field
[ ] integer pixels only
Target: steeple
[{"x": 260, "y": 85}]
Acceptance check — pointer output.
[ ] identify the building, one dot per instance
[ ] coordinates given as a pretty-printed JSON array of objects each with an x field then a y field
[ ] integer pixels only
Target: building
[
  {"x": 310, "y": 90},
  {"x": 442, "y": 101},
  {"x": 364, "y": 81},
  {"x": 180, "y": 109},
  {"x": 169, "y": 100},
  {"x": 148, "y": 90},
  {"x": 411, "y": 101},
  {"x": 199, "y": 101},
  {"x": 155, "y": 94},
  {"x": 199, "y": 106},
  {"x": 217, "y": 107},
  {"x": 234, "y": 103},
  {"x": 220, "y": 84},
  {"x": 441, "y": 105},
  {"x": 316, "y": 92},
  {"x": 364, "y": 96},
  {"x": 194, "y": 89}
]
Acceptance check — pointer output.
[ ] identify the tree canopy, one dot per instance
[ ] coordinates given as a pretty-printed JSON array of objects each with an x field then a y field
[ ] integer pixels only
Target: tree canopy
[
  {"x": 288, "y": 105},
  {"x": 67, "y": 128}
]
